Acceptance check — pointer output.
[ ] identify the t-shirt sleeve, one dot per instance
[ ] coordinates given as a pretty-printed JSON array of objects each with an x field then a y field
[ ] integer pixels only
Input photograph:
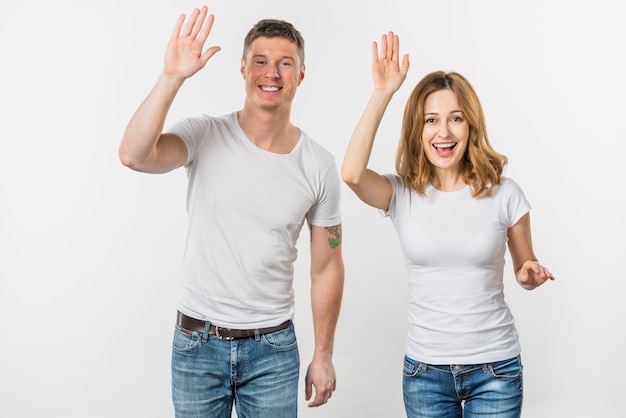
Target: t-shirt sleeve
[
  {"x": 395, "y": 187},
  {"x": 327, "y": 211},
  {"x": 517, "y": 204},
  {"x": 191, "y": 131}
]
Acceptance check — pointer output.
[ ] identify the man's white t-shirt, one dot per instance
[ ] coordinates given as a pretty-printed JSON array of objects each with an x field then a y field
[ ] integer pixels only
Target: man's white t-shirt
[
  {"x": 246, "y": 209},
  {"x": 454, "y": 246}
]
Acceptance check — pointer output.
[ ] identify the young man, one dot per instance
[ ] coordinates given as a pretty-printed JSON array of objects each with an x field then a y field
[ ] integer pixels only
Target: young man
[{"x": 254, "y": 178}]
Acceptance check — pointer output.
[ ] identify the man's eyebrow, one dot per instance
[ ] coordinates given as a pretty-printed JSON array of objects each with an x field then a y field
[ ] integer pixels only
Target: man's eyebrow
[{"x": 284, "y": 57}]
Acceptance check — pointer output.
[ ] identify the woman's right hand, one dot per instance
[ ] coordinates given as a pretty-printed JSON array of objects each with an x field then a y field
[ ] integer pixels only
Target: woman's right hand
[{"x": 387, "y": 71}]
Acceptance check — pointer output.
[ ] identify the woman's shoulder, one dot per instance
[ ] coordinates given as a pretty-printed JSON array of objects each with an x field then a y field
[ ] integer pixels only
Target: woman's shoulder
[
  {"x": 509, "y": 183},
  {"x": 510, "y": 188}
]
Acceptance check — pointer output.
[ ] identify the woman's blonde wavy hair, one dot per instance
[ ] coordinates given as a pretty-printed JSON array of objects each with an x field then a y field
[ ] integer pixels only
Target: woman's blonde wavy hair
[{"x": 482, "y": 165}]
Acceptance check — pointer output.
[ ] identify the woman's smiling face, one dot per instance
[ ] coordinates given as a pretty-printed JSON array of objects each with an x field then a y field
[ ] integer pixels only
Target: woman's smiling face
[{"x": 446, "y": 131}]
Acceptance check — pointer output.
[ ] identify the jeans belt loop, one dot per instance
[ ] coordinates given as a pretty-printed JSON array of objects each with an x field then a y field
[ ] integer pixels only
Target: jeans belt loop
[{"x": 206, "y": 333}]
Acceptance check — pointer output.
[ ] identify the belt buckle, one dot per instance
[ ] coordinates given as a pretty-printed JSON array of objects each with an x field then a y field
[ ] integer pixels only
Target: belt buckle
[{"x": 222, "y": 337}]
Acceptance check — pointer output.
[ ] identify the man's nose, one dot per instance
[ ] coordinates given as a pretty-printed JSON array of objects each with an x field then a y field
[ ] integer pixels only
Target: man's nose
[{"x": 272, "y": 72}]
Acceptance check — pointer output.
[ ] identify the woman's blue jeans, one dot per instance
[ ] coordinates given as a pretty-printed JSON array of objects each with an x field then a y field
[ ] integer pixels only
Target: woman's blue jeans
[
  {"x": 259, "y": 375},
  {"x": 455, "y": 391}
]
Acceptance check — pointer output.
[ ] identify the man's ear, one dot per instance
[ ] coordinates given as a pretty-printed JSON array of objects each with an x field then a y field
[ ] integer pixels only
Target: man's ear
[
  {"x": 301, "y": 75},
  {"x": 242, "y": 69}
]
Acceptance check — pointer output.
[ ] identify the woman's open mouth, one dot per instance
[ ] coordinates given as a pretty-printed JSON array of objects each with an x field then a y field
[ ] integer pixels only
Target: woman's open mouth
[{"x": 444, "y": 149}]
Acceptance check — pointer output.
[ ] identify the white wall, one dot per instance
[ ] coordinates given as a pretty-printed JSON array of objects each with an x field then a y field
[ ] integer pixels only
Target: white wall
[{"x": 90, "y": 251}]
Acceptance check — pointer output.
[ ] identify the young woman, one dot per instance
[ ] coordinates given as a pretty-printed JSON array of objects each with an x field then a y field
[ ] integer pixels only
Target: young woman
[{"x": 454, "y": 213}]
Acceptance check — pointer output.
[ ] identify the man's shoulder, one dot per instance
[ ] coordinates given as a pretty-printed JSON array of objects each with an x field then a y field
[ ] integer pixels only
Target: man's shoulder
[
  {"x": 208, "y": 118},
  {"x": 314, "y": 146}
]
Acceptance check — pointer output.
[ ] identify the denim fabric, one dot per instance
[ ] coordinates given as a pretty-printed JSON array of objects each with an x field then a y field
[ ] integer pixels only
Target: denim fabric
[
  {"x": 259, "y": 375},
  {"x": 455, "y": 391}
]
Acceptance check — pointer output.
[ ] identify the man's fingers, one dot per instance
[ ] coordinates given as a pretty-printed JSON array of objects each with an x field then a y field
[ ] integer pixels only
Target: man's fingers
[
  {"x": 198, "y": 22},
  {"x": 178, "y": 26},
  {"x": 206, "y": 29},
  {"x": 321, "y": 396}
]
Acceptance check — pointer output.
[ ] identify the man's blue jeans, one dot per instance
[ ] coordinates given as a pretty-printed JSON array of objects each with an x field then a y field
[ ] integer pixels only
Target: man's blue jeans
[
  {"x": 259, "y": 375},
  {"x": 455, "y": 391}
]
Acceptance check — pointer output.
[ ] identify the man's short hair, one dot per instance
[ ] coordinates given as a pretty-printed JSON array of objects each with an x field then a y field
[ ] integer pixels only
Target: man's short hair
[{"x": 272, "y": 28}]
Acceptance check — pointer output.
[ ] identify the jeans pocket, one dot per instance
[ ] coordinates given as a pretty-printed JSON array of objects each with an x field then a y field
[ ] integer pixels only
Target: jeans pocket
[
  {"x": 411, "y": 368},
  {"x": 510, "y": 369},
  {"x": 285, "y": 339},
  {"x": 185, "y": 340}
]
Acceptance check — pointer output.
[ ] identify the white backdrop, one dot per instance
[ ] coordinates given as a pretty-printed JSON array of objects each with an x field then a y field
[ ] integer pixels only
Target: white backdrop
[{"x": 90, "y": 251}]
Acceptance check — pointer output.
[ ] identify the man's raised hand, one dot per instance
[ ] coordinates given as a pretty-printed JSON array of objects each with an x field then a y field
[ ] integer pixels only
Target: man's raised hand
[{"x": 184, "y": 56}]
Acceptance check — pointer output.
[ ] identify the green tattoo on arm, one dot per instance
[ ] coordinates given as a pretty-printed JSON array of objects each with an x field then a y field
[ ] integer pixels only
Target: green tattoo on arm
[{"x": 336, "y": 231}]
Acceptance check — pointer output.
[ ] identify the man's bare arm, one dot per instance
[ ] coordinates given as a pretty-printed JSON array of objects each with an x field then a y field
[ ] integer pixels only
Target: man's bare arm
[
  {"x": 327, "y": 278},
  {"x": 143, "y": 147}
]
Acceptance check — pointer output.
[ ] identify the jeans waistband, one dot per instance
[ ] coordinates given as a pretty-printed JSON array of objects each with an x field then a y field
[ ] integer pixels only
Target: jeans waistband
[{"x": 193, "y": 324}]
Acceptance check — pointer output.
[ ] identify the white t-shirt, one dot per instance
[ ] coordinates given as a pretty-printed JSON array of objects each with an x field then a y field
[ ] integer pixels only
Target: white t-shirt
[
  {"x": 246, "y": 209},
  {"x": 454, "y": 247}
]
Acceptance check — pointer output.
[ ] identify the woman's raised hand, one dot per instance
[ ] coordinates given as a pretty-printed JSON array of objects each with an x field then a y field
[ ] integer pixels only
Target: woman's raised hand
[{"x": 387, "y": 71}]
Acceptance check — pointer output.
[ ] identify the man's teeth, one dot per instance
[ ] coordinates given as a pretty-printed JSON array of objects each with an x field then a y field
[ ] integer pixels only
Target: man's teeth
[{"x": 270, "y": 89}]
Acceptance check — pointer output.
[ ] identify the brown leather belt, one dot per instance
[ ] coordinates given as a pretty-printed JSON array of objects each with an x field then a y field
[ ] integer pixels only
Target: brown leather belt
[{"x": 193, "y": 324}]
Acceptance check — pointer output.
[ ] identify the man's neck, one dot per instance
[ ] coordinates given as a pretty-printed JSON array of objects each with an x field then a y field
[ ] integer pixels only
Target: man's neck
[{"x": 270, "y": 130}]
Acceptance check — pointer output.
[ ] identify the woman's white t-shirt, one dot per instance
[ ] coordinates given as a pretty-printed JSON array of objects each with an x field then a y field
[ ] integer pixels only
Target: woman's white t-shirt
[{"x": 454, "y": 246}]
